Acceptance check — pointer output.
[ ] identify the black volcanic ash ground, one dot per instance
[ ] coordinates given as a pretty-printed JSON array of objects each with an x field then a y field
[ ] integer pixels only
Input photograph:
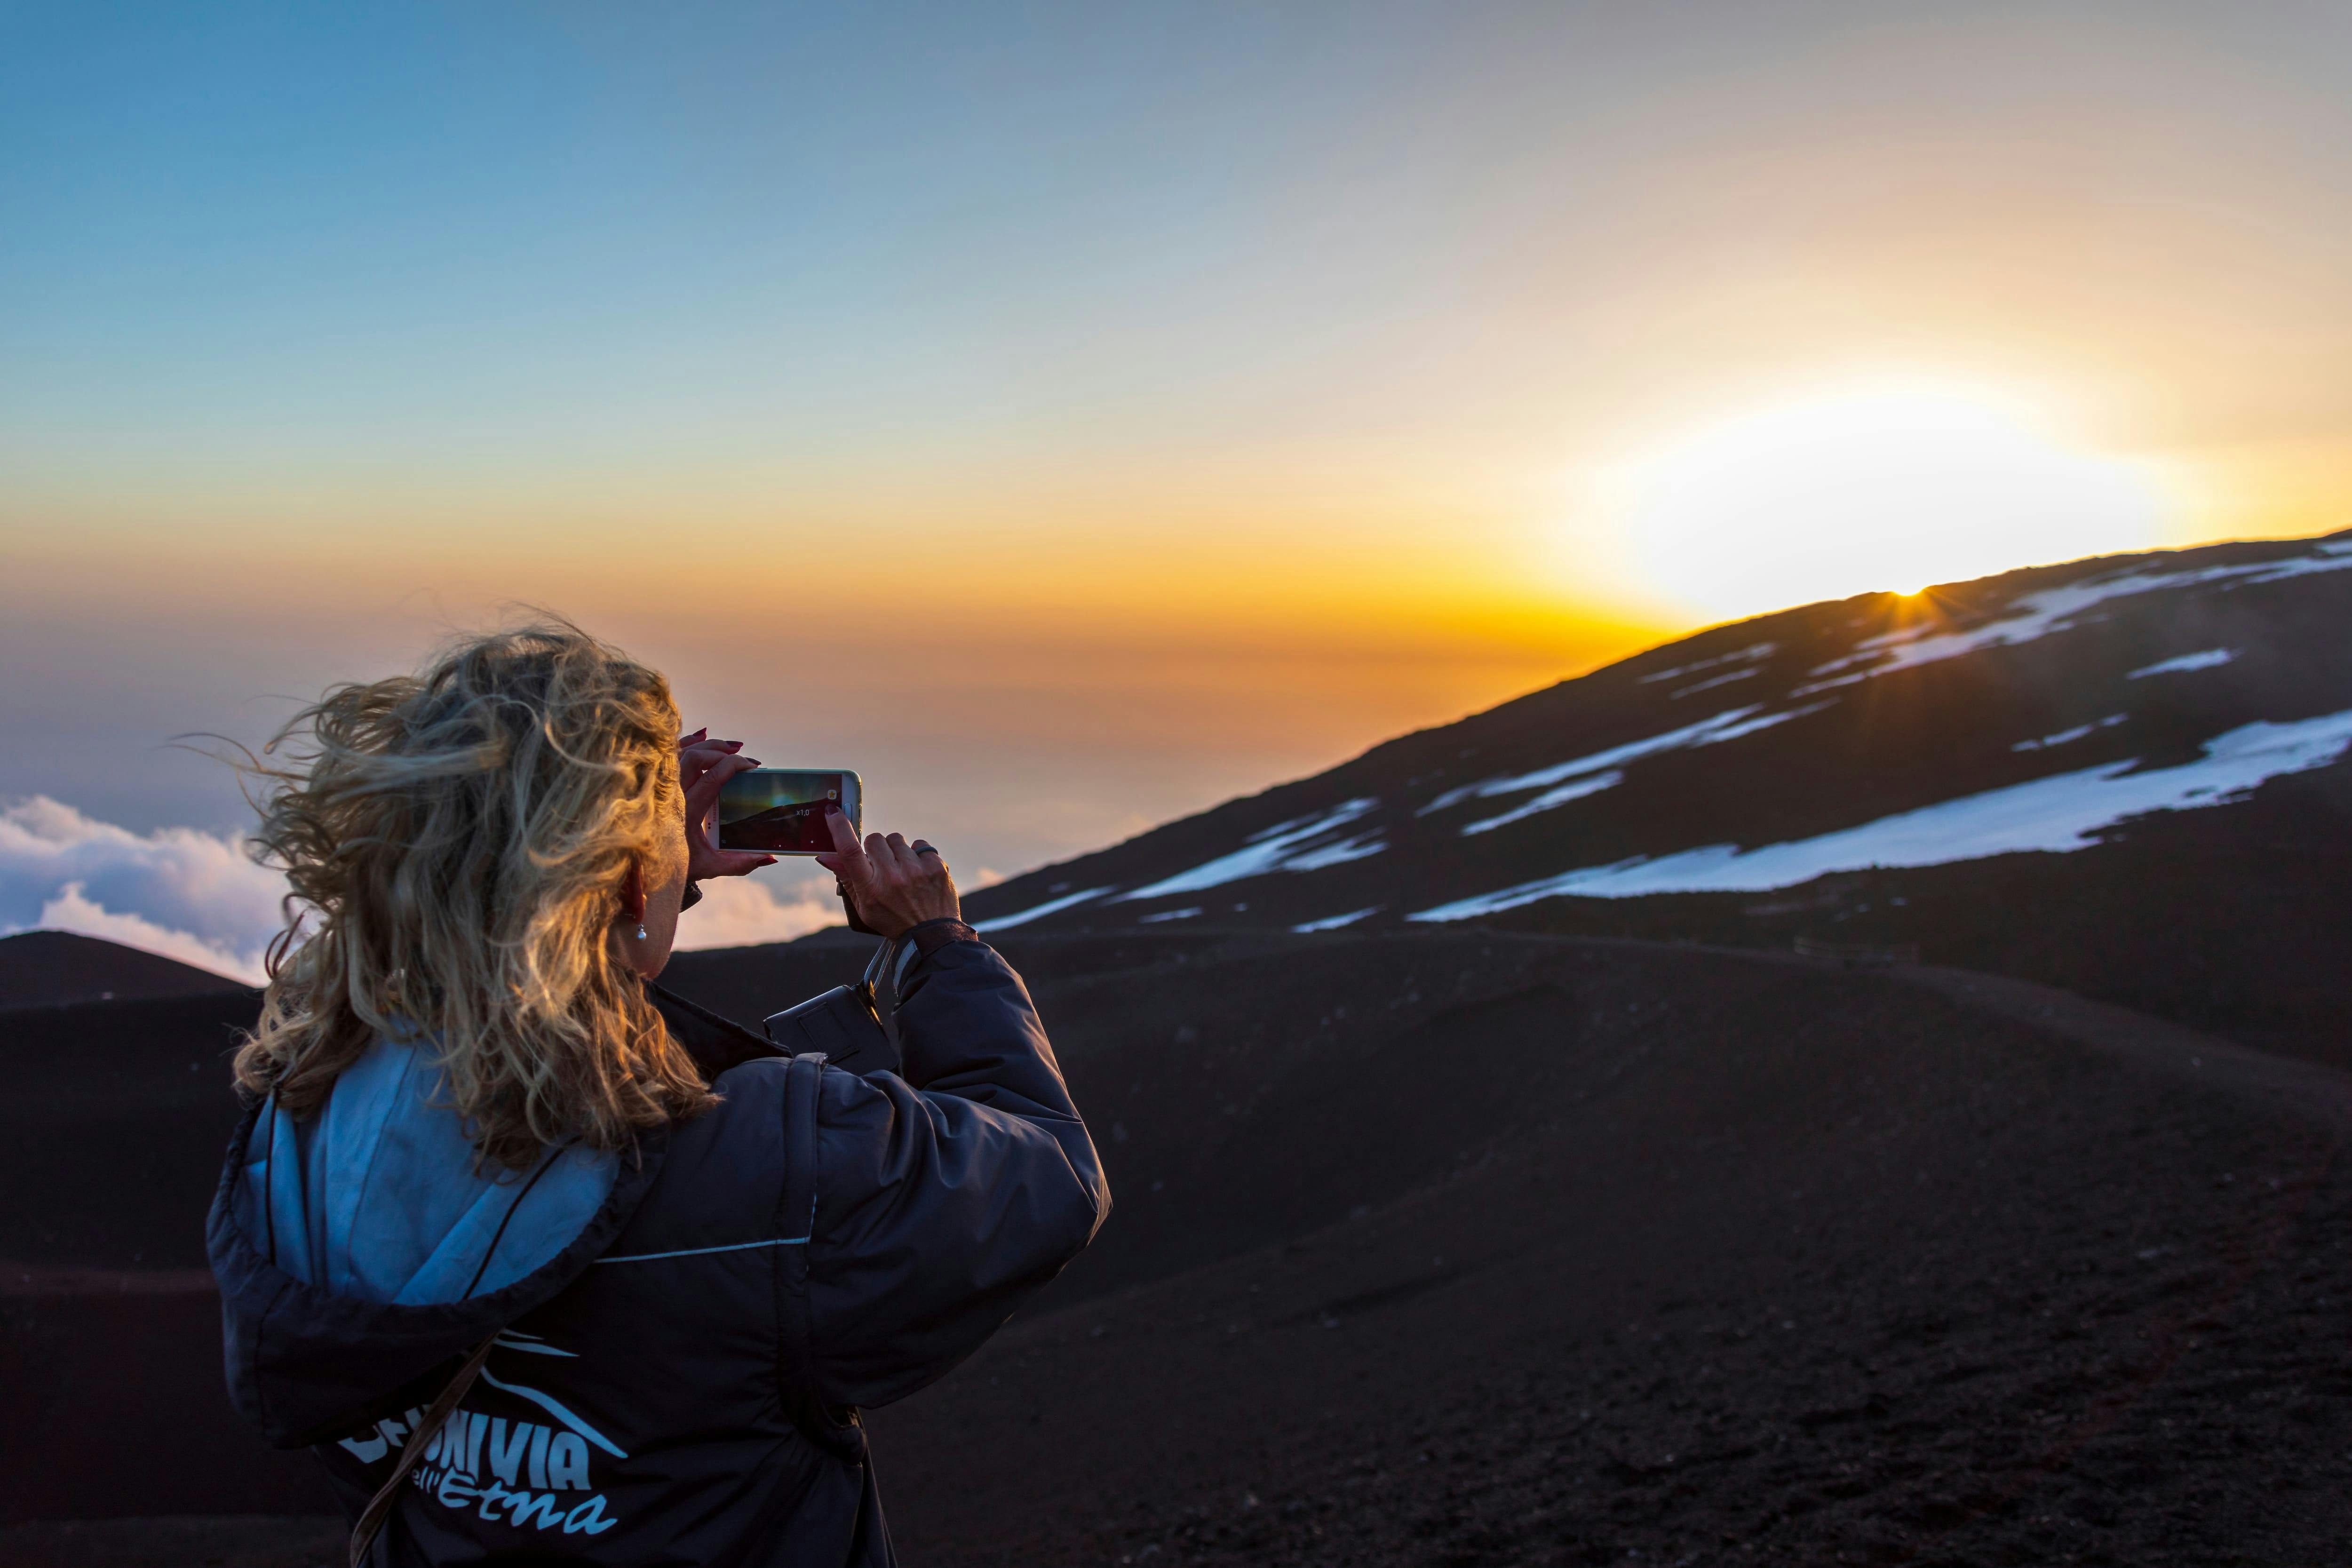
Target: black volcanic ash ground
[{"x": 1467, "y": 1248}]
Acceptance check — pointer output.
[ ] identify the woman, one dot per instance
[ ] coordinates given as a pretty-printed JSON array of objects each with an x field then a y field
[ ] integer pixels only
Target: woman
[{"x": 483, "y": 1170}]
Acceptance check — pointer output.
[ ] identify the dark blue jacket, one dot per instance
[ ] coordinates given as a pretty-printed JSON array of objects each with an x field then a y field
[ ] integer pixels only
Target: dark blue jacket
[{"x": 689, "y": 1327}]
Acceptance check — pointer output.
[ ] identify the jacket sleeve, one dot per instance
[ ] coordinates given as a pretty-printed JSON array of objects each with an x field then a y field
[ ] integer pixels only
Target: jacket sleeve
[{"x": 945, "y": 1198}]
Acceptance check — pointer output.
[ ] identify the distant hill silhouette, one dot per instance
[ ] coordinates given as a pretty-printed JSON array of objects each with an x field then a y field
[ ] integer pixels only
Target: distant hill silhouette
[
  {"x": 49, "y": 968},
  {"x": 2124, "y": 776}
]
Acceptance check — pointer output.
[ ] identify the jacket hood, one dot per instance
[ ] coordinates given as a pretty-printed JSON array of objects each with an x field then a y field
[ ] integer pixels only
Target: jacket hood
[{"x": 359, "y": 1252}]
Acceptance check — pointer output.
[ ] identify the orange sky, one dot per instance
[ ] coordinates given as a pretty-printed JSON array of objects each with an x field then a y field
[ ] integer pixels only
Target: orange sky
[{"x": 1072, "y": 423}]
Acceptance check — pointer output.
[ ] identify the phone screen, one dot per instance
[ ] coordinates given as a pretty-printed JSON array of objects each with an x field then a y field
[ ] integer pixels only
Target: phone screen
[{"x": 782, "y": 810}]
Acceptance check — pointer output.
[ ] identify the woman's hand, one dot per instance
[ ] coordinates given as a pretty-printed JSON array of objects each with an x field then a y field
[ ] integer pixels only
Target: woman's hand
[
  {"x": 893, "y": 885},
  {"x": 703, "y": 766}
]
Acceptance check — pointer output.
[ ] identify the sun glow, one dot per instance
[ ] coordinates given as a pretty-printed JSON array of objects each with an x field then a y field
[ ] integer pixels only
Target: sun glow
[{"x": 1880, "y": 487}]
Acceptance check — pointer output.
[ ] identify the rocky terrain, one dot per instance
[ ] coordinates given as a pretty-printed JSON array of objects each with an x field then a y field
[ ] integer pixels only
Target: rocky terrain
[{"x": 1453, "y": 1248}]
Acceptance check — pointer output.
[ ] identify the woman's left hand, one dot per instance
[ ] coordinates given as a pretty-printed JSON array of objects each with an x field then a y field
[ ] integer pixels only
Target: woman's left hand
[
  {"x": 703, "y": 766},
  {"x": 891, "y": 886}
]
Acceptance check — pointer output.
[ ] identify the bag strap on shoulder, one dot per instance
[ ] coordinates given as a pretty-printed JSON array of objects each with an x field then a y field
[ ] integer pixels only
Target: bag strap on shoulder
[{"x": 412, "y": 1453}]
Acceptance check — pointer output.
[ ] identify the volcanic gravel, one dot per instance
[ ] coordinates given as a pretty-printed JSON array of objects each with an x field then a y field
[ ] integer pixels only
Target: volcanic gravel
[
  {"x": 1767, "y": 1265},
  {"x": 1470, "y": 1249}
]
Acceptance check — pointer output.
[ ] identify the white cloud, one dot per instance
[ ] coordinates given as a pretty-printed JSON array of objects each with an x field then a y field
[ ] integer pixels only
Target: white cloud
[
  {"x": 739, "y": 912},
  {"x": 179, "y": 892},
  {"x": 195, "y": 897},
  {"x": 71, "y": 910}
]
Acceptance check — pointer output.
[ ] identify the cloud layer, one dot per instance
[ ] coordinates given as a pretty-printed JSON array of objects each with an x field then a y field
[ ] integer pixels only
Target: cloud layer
[
  {"x": 738, "y": 911},
  {"x": 196, "y": 897},
  {"x": 179, "y": 892}
]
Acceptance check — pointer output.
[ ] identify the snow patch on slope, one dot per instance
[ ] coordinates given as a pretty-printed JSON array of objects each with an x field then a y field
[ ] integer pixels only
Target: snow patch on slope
[
  {"x": 2060, "y": 814},
  {"x": 2076, "y": 733},
  {"x": 2037, "y": 614},
  {"x": 2212, "y": 658},
  {"x": 1711, "y": 684},
  {"x": 1285, "y": 847},
  {"x": 1747, "y": 655},
  {"x": 1598, "y": 762},
  {"x": 1333, "y": 922},
  {"x": 1039, "y": 911},
  {"x": 1575, "y": 789},
  {"x": 1591, "y": 775}
]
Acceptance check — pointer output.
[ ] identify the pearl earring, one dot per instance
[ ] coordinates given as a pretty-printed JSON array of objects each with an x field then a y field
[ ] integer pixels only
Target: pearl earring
[{"x": 641, "y": 930}]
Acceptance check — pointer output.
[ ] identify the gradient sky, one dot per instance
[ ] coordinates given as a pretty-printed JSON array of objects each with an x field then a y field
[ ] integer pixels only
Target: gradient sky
[{"x": 1072, "y": 416}]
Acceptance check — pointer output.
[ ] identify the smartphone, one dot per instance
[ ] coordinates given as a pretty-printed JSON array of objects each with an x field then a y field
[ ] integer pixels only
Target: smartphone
[{"x": 782, "y": 810}]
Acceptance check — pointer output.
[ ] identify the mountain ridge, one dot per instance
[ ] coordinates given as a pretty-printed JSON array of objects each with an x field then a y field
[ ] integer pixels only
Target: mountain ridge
[
  {"x": 56, "y": 968},
  {"x": 2043, "y": 751}
]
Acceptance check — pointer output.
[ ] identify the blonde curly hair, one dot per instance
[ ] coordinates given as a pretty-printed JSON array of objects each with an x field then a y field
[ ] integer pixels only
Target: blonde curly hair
[{"x": 463, "y": 837}]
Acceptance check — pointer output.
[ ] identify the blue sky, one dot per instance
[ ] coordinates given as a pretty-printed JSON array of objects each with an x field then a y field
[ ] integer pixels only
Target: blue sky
[{"x": 1074, "y": 415}]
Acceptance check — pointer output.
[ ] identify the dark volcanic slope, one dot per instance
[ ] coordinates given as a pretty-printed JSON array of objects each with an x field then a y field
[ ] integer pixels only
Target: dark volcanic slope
[
  {"x": 1595, "y": 1254},
  {"x": 1647, "y": 1248},
  {"x": 2125, "y": 776},
  {"x": 114, "y": 1127},
  {"x": 49, "y": 968}
]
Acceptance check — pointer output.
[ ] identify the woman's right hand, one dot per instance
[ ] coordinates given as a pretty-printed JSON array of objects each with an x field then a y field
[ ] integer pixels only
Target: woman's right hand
[
  {"x": 893, "y": 885},
  {"x": 703, "y": 766}
]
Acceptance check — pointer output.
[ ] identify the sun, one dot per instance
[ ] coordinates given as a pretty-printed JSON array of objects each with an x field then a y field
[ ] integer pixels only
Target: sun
[{"x": 1890, "y": 486}]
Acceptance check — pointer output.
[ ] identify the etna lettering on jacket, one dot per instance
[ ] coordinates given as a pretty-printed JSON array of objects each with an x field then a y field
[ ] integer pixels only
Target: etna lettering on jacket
[{"x": 524, "y": 1474}]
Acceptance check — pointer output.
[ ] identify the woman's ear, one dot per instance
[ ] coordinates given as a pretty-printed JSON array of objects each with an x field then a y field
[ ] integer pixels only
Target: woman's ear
[{"x": 633, "y": 891}]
